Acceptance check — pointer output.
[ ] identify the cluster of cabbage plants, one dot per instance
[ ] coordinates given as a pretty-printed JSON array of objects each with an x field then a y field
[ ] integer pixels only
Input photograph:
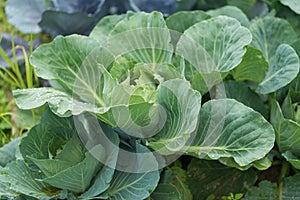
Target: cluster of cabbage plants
[{"x": 188, "y": 107}]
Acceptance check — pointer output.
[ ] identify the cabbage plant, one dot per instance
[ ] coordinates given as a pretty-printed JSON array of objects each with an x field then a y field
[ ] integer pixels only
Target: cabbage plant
[{"x": 142, "y": 96}]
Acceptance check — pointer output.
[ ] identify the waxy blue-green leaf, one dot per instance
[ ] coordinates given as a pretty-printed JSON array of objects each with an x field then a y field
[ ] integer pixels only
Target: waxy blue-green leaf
[
  {"x": 253, "y": 66},
  {"x": 100, "y": 184},
  {"x": 36, "y": 143},
  {"x": 242, "y": 93},
  {"x": 216, "y": 44},
  {"x": 133, "y": 184},
  {"x": 24, "y": 181},
  {"x": 283, "y": 68},
  {"x": 287, "y": 108},
  {"x": 180, "y": 21},
  {"x": 78, "y": 66},
  {"x": 229, "y": 129},
  {"x": 294, "y": 87},
  {"x": 276, "y": 116},
  {"x": 269, "y": 32},
  {"x": 143, "y": 37},
  {"x": 60, "y": 103},
  {"x": 55, "y": 148},
  {"x": 231, "y": 11},
  {"x": 287, "y": 131},
  {"x": 82, "y": 79},
  {"x": 294, "y": 5},
  {"x": 182, "y": 105},
  {"x": 210, "y": 177},
  {"x": 261, "y": 164},
  {"x": 6, "y": 191},
  {"x": 292, "y": 159},
  {"x": 110, "y": 141},
  {"x": 104, "y": 27},
  {"x": 78, "y": 177},
  {"x": 62, "y": 58},
  {"x": 8, "y": 151},
  {"x": 203, "y": 82},
  {"x": 289, "y": 137}
]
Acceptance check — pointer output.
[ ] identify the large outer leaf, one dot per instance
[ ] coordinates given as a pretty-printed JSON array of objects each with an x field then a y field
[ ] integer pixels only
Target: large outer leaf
[
  {"x": 289, "y": 137},
  {"x": 133, "y": 185},
  {"x": 56, "y": 150},
  {"x": 229, "y": 129},
  {"x": 231, "y": 11},
  {"x": 100, "y": 184},
  {"x": 25, "y": 14},
  {"x": 78, "y": 69},
  {"x": 78, "y": 177},
  {"x": 292, "y": 4},
  {"x": 283, "y": 68},
  {"x": 242, "y": 93},
  {"x": 270, "y": 32},
  {"x": 292, "y": 159},
  {"x": 204, "y": 82},
  {"x": 182, "y": 105},
  {"x": 210, "y": 177},
  {"x": 6, "y": 191},
  {"x": 8, "y": 151},
  {"x": 24, "y": 181},
  {"x": 110, "y": 141},
  {"x": 62, "y": 58},
  {"x": 144, "y": 37},
  {"x": 276, "y": 116},
  {"x": 294, "y": 89},
  {"x": 287, "y": 108},
  {"x": 287, "y": 131},
  {"x": 36, "y": 143},
  {"x": 79, "y": 72},
  {"x": 216, "y": 44},
  {"x": 101, "y": 31},
  {"x": 60, "y": 102},
  {"x": 180, "y": 21},
  {"x": 253, "y": 66},
  {"x": 261, "y": 164}
]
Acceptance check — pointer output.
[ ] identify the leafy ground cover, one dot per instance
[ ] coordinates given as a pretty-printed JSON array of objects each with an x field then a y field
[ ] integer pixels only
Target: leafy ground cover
[{"x": 201, "y": 104}]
